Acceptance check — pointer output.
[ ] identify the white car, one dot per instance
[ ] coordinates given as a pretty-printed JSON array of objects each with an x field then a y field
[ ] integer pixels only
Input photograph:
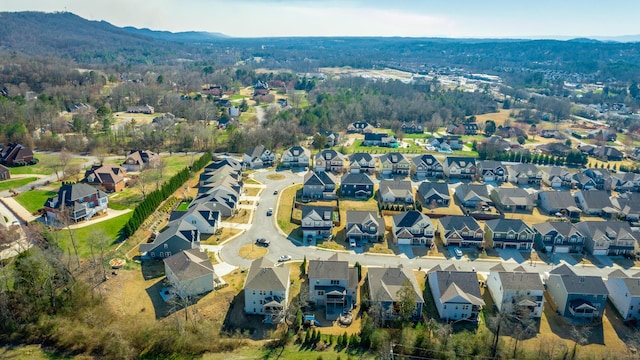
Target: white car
[
  {"x": 352, "y": 243},
  {"x": 458, "y": 252},
  {"x": 284, "y": 258}
]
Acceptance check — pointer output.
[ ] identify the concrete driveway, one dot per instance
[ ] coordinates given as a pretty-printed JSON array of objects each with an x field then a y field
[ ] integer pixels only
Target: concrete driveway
[{"x": 514, "y": 254}]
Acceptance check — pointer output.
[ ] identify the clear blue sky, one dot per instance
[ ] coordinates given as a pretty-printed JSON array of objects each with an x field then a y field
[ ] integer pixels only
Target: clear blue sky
[{"x": 446, "y": 18}]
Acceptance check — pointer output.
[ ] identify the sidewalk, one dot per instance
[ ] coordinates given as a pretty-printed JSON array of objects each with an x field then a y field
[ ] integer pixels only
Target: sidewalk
[
  {"x": 18, "y": 209},
  {"x": 110, "y": 215}
]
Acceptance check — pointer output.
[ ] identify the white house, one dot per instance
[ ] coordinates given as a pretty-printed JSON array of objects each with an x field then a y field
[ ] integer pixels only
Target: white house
[
  {"x": 624, "y": 293},
  {"x": 258, "y": 157},
  {"x": 517, "y": 291},
  {"x": 412, "y": 228},
  {"x": 296, "y": 157},
  {"x": 456, "y": 294},
  {"x": 266, "y": 290},
  {"x": 190, "y": 272}
]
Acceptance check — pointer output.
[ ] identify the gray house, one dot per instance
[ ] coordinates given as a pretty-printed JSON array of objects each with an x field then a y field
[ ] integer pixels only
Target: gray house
[
  {"x": 426, "y": 166},
  {"x": 190, "y": 272},
  {"x": 364, "y": 226},
  {"x": 559, "y": 202},
  {"x": 608, "y": 237},
  {"x": 473, "y": 195},
  {"x": 358, "y": 185},
  {"x": 559, "y": 237},
  {"x": 509, "y": 233},
  {"x": 596, "y": 202},
  {"x": 578, "y": 296},
  {"x": 384, "y": 287},
  {"x": 489, "y": 170},
  {"x": 433, "y": 194},
  {"x": 513, "y": 199},
  {"x": 333, "y": 285},
  {"x": 179, "y": 236},
  {"x": 318, "y": 185}
]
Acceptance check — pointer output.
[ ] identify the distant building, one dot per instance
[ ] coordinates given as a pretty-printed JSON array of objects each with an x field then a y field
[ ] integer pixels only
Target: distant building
[{"x": 140, "y": 109}]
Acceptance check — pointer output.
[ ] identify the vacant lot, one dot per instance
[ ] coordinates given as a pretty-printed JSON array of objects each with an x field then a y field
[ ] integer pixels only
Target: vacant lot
[{"x": 46, "y": 165}]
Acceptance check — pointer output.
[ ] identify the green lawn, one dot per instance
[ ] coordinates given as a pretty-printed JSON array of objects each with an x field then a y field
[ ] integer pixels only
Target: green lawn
[
  {"x": 177, "y": 162},
  {"x": 45, "y": 166},
  {"x": 33, "y": 200},
  {"x": 83, "y": 236},
  {"x": 12, "y": 184},
  {"x": 183, "y": 206}
]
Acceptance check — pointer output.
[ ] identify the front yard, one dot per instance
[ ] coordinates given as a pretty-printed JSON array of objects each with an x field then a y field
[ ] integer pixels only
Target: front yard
[{"x": 34, "y": 200}]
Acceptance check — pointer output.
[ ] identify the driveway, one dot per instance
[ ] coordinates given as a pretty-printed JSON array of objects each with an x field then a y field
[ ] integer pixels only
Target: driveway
[{"x": 514, "y": 254}]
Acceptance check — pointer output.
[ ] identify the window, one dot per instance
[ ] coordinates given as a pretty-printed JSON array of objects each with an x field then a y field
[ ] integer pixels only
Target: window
[
  {"x": 320, "y": 293},
  {"x": 161, "y": 254},
  {"x": 335, "y": 282},
  {"x": 465, "y": 307},
  {"x": 166, "y": 246}
]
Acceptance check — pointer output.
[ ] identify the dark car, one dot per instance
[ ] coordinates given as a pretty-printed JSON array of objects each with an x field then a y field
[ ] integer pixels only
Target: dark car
[
  {"x": 262, "y": 241},
  {"x": 275, "y": 192}
]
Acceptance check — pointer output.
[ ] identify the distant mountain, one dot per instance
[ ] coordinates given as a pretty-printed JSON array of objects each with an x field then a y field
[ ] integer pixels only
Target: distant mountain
[{"x": 186, "y": 36}]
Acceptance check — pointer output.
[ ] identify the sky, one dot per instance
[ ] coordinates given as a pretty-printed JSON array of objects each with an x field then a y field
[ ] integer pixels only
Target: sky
[{"x": 410, "y": 18}]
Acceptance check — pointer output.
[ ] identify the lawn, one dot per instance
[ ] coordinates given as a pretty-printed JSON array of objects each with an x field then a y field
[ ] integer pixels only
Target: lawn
[
  {"x": 33, "y": 200},
  {"x": 284, "y": 209},
  {"x": 85, "y": 235},
  {"x": 45, "y": 166},
  {"x": 183, "y": 206},
  {"x": 12, "y": 184}
]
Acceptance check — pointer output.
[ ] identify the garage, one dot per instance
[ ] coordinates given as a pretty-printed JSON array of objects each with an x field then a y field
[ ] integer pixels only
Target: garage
[
  {"x": 599, "y": 252},
  {"x": 561, "y": 250}
]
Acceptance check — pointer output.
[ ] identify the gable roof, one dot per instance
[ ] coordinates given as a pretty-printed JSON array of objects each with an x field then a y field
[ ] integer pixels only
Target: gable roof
[
  {"x": 426, "y": 159},
  {"x": 179, "y": 230},
  {"x": 385, "y": 283},
  {"x": 256, "y": 151},
  {"x": 459, "y": 222},
  {"x": 189, "y": 264},
  {"x": 505, "y": 225},
  {"x": 429, "y": 188},
  {"x": 520, "y": 281},
  {"x": 613, "y": 230},
  {"x": 596, "y": 199},
  {"x": 558, "y": 199},
  {"x": 575, "y": 284},
  {"x": 358, "y": 157},
  {"x": 312, "y": 178},
  {"x": 523, "y": 168},
  {"x": 564, "y": 228},
  {"x": 459, "y": 161},
  {"x": 477, "y": 192},
  {"x": 105, "y": 174},
  {"x": 70, "y": 193},
  {"x": 490, "y": 165},
  {"x": 393, "y": 157},
  {"x": 356, "y": 179},
  {"x": 410, "y": 218},
  {"x": 513, "y": 196},
  {"x": 264, "y": 275},
  {"x": 329, "y": 155},
  {"x": 562, "y": 270},
  {"x": 328, "y": 269},
  {"x": 617, "y": 274},
  {"x": 459, "y": 284},
  {"x": 317, "y": 212},
  {"x": 397, "y": 188}
]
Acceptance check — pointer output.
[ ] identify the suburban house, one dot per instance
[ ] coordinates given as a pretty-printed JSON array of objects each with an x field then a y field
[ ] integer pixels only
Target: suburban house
[
  {"x": 213, "y": 90},
  {"x": 601, "y": 177},
  {"x": 456, "y": 294},
  {"x": 140, "y": 109},
  {"x": 411, "y": 128},
  {"x": 260, "y": 88},
  {"x": 317, "y": 222},
  {"x": 509, "y": 233},
  {"x": 360, "y": 127},
  {"x": 460, "y": 167},
  {"x": 395, "y": 193},
  {"x": 629, "y": 205},
  {"x": 328, "y": 160},
  {"x": 362, "y": 162},
  {"x": 525, "y": 174},
  {"x": 577, "y": 296},
  {"x": 220, "y": 199},
  {"x": 426, "y": 166},
  {"x": 582, "y": 181},
  {"x": 559, "y": 237},
  {"x": 224, "y": 162},
  {"x": 296, "y": 157},
  {"x": 380, "y": 139},
  {"x": 108, "y": 177},
  {"x": 258, "y": 157},
  {"x": 332, "y": 284},
  {"x": 470, "y": 128},
  {"x": 460, "y": 230},
  {"x": 554, "y": 149},
  {"x": 385, "y": 288},
  {"x": 332, "y": 138},
  {"x": 266, "y": 291},
  {"x": 176, "y": 237},
  {"x": 596, "y": 202},
  {"x": 520, "y": 293},
  {"x": 489, "y": 170},
  {"x": 412, "y": 228},
  {"x": 201, "y": 215},
  {"x": 608, "y": 153},
  {"x": 558, "y": 202},
  {"x": 394, "y": 164},
  {"x": 556, "y": 177},
  {"x": 16, "y": 155},
  {"x": 77, "y": 202},
  {"x": 473, "y": 195},
  {"x": 608, "y": 237},
  {"x": 364, "y": 226},
  {"x": 318, "y": 185},
  {"x": 358, "y": 185},
  {"x": 625, "y": 181},
  {"x": 517, "y": 199},
  {"x": 141, "y": 159},
  {"x": 433, "y": 194},
  {"x": 624, "y": 293},
  {"x": 4, "y": 173},
  {"x": 190, "y": 272}
]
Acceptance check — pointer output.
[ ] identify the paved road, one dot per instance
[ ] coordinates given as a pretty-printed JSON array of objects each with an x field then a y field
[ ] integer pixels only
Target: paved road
[{"x": 265, "y": 226}]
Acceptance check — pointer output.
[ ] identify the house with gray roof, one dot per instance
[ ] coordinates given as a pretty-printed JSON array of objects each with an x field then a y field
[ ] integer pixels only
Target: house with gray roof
[
  {"x": 473, "y": 195},
  {"x": 296, "y": 157},
  {"x": 178, "y": 236},
  {"x": 329, "y": 160},
  {"x": 219, "y": 163},
  {"x": 319, "y": 185},
  {"x": 258, "y": 157},
  {"x": 395, "y": 193},
  {"x": 460, "y": 231},
  {"x": 596, "y": 203},
  {"x": 222, "y": 200},
  {"x": 317, "y": 223},
  {"x": 509, "y": 199},
  {"x": 582, "y": 181},
  {"x": 426, "y": 165},
  {"x": 266, "y": 291},
  {"x": 138, "y": 160},
  {"x": 559, "y": 237},
  {"x": 433, "y": 194},
  {"x": 524, "y": 174},
  {"x": 394, "y": 164},
  {"x": 556, "y": 177},
  {"x": 578, "y": 296},
  {"x": 625, "y": 181},
  {"x": 190, "y": 272},
  {"x": 333, "y": 285},
  {"x": 78, "y": 202},
  {"x": 412, "y": 228},
  {"x": 385, "y": 287},
  {"x": 601, "y": 177},
  {"x": 456, "y": 294},
  {"x": 364, "y": 226},
  {"x": 490, "y": 170},
  {"x": 202, "y": 215},
  {"x": 362, "y": 162},
  {"x": 508, "y": 233},
  {"x": 624, "y": 293},
  {"x": 608, "y": 237},
  {"x": 459, "y": 167},
  {"x": 358, "y": 185},
  {"x": 517, "y": 292},
  {"x": 629, "y": 205},
  {"x": 559, "y": 202}
]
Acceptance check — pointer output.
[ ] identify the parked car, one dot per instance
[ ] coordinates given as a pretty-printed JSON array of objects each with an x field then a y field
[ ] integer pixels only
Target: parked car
[
  {"x": 275, "y": 192},
  {"x": 262, "y": 241},
  {"x": 270, "y": 212},
  {"x": 458, "y": 252},
  {"x": 352, "y": 243},
  {"x": 284, "y": 258}
]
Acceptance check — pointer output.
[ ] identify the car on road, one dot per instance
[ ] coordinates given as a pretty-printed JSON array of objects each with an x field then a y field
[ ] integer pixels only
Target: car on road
[
  {"x": 270, "y": 212},
  {"x": 458, "y": 252},
  {"x": 284, "y": 258},
  {"x": 262, "y": 241},
  {"x": 275, "y": 192}
]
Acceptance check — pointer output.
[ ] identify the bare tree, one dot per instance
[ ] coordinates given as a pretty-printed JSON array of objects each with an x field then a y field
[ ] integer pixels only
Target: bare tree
[
  {"x": 64, "y": 159},
  {"x": 580, "y": 336}
]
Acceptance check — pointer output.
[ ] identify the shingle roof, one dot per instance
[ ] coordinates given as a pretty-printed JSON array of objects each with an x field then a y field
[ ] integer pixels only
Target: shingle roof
[
  {"x": 514, "y": 196},
  {"x": 583, "y": 284},
  {"x": 562, "y": 270},
  {"x": 397, "y": 188},
  {"x": 596, "y": 199},
  {"x": 256, "y": 152},
  {"x": 385, "y": 283},
  {"x": 429, "y": 188},
  {"x": 357, "y": 157},
  {"x": 189, "y": 264},
  {"x": 328, "y": 269},
  {"x": 460, "y": 161},
  {"x": 633, "y": 285},
  {"x": 393, "y": 157},
  {"x": 263, "y": 275},
  {"x": 564, "y": 228},
  {"x": 458, "y": 222},
  {"x": 463, "y": 284},
  {"x": 504, "y": 225},
  {"x": 467, "y": 192},
  {"x": 558, "y": 199},
  {"x": 356, "y": 178},
  {"x": 329, "y": 154},
  {"x": 426, "y": 159},
  {"x": 409, "y": 219},
  {"x": 521, "y": 281}
]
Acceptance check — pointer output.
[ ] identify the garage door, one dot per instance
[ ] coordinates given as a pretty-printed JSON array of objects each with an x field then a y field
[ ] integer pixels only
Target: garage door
[
  {"x": 562, "y": 249},
  {"x": 600, "y": 252},
  {"x": 510, "y": 246},
  {"x": 489, "y": 178}
]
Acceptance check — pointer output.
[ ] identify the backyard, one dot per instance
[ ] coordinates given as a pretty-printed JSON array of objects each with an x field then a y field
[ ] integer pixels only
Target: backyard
[
  {"x": 88, "y": 236},
  {"x": 34, "y": 200}
]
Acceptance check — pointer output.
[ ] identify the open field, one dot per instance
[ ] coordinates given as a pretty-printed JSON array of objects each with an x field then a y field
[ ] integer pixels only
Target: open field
[
  {"x": 88, "y": 236},
  {"x": 284, "y": 209},
  {"x": 46, "y": 165},
  {"x": 33, "y": 200},
  {"x": 12, "y": 184}
]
